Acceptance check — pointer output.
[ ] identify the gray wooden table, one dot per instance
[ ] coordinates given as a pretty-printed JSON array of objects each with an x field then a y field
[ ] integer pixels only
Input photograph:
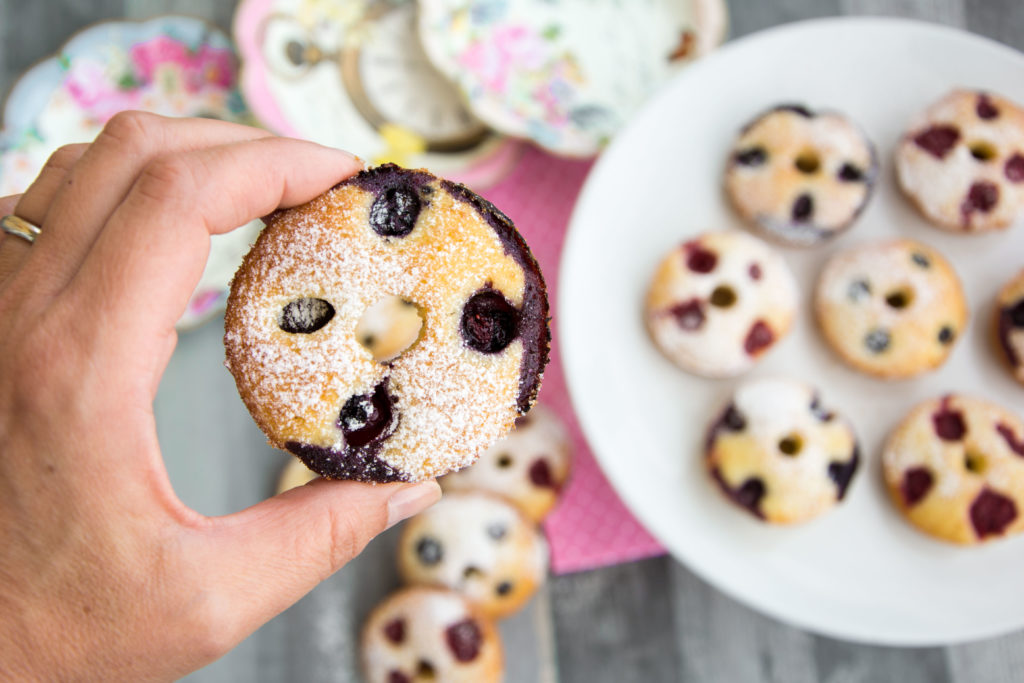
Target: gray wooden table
[{"x": 648, "y": 622}]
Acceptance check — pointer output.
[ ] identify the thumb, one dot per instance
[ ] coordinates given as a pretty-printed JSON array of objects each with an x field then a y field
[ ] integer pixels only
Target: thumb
[{"x": 263, "y": 559}]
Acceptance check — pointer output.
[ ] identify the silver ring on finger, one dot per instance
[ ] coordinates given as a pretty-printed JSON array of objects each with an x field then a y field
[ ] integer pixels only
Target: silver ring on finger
[{"x": 19, "y": 227}]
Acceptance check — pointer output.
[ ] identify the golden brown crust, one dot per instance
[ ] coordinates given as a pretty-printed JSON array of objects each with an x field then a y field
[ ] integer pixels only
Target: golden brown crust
[{"x": 433, "y": 409}]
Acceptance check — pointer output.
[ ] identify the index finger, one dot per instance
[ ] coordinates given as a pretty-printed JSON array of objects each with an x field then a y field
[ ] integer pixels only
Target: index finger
[{"x": 144, "y": 265}]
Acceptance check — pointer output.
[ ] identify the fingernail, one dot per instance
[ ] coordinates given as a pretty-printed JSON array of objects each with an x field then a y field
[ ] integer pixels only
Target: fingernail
[
  {"x": 412, "y": 500},
  {"x": 350, "y": 156}
]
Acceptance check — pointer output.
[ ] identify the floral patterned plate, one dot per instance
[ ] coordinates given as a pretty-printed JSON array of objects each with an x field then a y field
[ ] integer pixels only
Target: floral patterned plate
[
  {"x": 176, "y": 66},
  {"x": 352, "y": 74},
  {"x": 565, "y": 73}
]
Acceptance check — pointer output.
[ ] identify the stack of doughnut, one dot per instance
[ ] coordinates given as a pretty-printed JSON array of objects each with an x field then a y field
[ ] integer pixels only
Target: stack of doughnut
[{"x": 720, "y": 301}]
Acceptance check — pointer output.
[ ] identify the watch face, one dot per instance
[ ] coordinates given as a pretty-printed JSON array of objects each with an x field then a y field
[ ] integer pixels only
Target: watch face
[{"x": 392, "y": 82}]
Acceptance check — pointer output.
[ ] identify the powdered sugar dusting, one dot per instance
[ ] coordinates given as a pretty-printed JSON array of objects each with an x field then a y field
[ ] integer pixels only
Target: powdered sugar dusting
[{"x": 452, "y": 402}]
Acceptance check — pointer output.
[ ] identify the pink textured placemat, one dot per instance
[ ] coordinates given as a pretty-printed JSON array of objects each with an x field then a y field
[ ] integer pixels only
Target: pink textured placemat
[{"x": 591, "y": 527}]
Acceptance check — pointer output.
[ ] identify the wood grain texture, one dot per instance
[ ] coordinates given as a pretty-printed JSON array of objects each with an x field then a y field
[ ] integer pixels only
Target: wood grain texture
[
  {"x": 616, "y": 624},
  {"x": 999, "y": 19},
  {"x": 747, "y": 16},
  {"x": 949, "y": 12},
  {"x": 721, "y": 641}
]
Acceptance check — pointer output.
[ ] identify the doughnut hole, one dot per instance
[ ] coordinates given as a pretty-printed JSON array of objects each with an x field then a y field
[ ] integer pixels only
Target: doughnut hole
[
  {"x": 808, "y": 162},
  {"x": 983, "y": 151},
  {"x": 504, "y": 461},
  {"x": 389, "y": 328},
  {"x": 723, "y": 296},
  {"x": 975, "y": 462},
  {"x": 899, "y": 298},
  {"x": 425, "y": 671},
  {"x": 791, "y": 445}
]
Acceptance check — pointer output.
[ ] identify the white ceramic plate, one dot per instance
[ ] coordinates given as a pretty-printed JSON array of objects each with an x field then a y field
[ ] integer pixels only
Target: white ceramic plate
[{"x": 860, "y": 572}]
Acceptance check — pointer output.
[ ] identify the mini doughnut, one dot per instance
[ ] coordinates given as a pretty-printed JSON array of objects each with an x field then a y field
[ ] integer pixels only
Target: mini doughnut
[
  {"x": 778, "y": 453},
  {"x": 718, "y": 302},
  {"x": 430, "y": 634},
  {"x": 301, "y": 293},
  {"x": 962, "y": 162},
  {"x": 529, "y": 467},
  {"x": 479, "y": 545},
  {"x": 891, "y": 309},
  {"x": 1010, "y": 324},
  {"x": 800, "y": 177},
  {"x": 955, "y": 469}
]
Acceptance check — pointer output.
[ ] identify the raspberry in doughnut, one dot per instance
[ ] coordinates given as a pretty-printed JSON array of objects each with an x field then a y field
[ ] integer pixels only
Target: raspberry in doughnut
[
  {"x": 962, "y": 162},
  {"x": 529, "y": 467},
  {"x": 718, "y": 302},
  {"x": 955, "y": 469},
  {"x": 430, "y": 634},
  {"x": 301, "y": 293}
]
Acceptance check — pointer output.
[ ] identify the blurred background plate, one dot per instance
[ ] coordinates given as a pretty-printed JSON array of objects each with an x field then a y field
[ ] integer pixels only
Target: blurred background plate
[
  {"x": 563, "y": 73},
  {"x": 170, "y": 65},
  {"x": 861, "y": 572},
  {"x": 352, "y": 74}
]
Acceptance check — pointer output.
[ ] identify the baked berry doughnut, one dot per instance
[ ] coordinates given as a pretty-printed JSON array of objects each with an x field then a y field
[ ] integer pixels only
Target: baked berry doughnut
[
  {"x": 955, "y": 468},
  {"x": 1010, "y": 324},
  {"x": 962, "y": 162},
  {"x": 294, "y": 475},
  {"x": 529, "y": 467},
  {"x": 720, "y": 301},
  {"x": 801, "y": 177},
  {"x": 891, "y": 309},
  {"x": 779, "y": 454},
  {"x": 302, "y": 292},
  {"x": 476, "y": 544},
  {"x": 430, "y": 634}
]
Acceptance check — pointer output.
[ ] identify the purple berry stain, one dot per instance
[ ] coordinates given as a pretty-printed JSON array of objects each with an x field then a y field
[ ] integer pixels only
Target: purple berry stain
[
  {"x": 464, "y": 640},
  {"x": 541, "y": 476},
  {"x": 991, "y": 513},
  {"x": 917, "y": 482},
  {"x": 1014, "y": 168},
  {"x": 759, "y": 338},
  {"x": 949, "y": 424},
  {"x": 699, "y": 259},
  {"x": 986, "y": 110},
  {"x": 1016, "y": 444},
  {"x": 937, "y": 140},
  {"x": 394, "y": 630},
  {"x": 748, "y": 495},
  {"x": 755, "y": 271},
  {"x": 982, "y": 197},
  {"x": 689, "y": 315}
]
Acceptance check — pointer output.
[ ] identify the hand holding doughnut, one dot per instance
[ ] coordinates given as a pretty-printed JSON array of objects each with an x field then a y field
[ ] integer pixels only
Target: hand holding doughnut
[{"x": 105, "y": 573}]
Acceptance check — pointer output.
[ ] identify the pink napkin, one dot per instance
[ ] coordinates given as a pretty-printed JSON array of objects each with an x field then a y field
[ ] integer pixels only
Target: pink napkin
[{"x": 590, "y": 527}]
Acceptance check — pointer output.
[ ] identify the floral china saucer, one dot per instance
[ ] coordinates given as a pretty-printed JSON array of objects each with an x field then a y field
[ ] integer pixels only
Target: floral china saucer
[
  {"x": 352, "y": 74},
  {"x": 175, "y": 66},
  {"x": 564, "y": 73}
]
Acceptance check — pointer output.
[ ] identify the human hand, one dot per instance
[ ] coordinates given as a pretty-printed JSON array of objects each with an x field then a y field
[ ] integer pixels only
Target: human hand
[{"x": 104, "y": 572}]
